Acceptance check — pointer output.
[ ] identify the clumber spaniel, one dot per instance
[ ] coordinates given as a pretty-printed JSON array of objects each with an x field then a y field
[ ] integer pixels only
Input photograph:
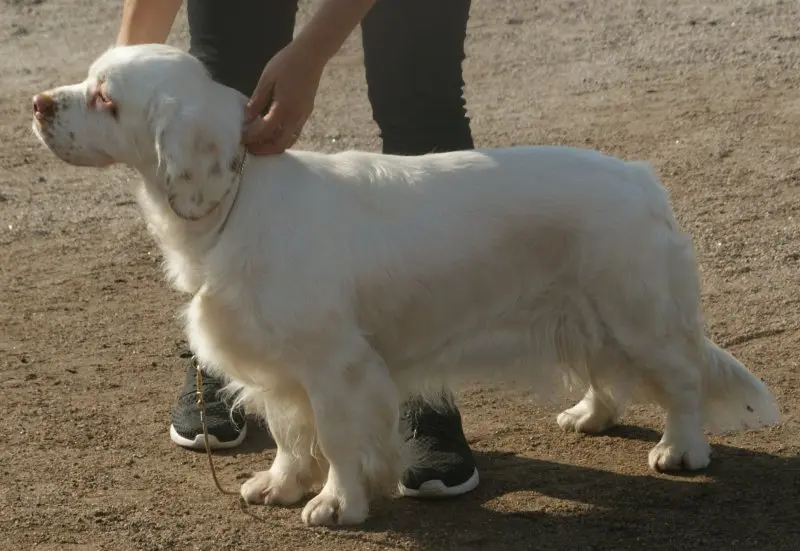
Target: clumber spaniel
[{"x": 329, "y": 287}]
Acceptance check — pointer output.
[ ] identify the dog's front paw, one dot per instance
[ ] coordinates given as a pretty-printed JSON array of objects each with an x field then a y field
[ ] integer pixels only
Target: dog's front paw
[
  {"x": 583, "y": 417},
  {"x": 331, "y": 510},
  {"x": 669, "y": 456},
  {"x": 270, "y": 488}
]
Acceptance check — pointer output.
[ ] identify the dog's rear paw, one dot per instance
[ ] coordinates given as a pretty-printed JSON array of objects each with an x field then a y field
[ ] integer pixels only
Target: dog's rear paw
[
  {"x": 666, "y": 457},
  {"x": 269, "y": 488},
  {"x": 584, "y": 418},
  {"x": 330, "y": 510}
]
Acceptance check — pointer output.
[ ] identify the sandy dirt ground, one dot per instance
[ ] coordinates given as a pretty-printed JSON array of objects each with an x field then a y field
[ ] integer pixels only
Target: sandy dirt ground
[{"x": 89, "y": 338}]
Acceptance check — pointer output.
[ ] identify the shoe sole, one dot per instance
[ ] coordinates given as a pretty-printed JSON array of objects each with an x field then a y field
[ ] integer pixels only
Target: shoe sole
[
  {"x": 435, "y": 489},
  {"x": 198, "y": 443}
]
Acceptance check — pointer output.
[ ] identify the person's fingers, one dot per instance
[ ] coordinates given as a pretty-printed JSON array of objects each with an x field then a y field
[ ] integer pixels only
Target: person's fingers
[
  {"x": 268, "y": 128},
  {"x": 279, "y": 142},
  {"x": 294, "y": 136},
  {"x": 266, "y": 148},
  {"x": 276, "y": 122},
  {"x": 271, "y": 147},
  {"x": 262, "y": 96},
  {"x": 286, "y": 139},
  {"x": 253, "y": 131}
]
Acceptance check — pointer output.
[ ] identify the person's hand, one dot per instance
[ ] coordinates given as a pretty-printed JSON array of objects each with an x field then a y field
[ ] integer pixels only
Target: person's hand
[{"x": 288, "y": 85}]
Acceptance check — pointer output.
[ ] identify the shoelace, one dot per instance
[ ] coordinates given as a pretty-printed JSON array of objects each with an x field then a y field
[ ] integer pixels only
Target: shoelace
[{"x": 210, "y": 391}]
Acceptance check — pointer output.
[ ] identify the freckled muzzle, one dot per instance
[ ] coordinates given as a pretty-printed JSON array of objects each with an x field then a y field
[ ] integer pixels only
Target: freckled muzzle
[{"x": 57, "y": 121}]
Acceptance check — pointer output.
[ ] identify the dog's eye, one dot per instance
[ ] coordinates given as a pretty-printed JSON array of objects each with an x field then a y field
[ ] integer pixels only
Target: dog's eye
[
  {"x": 101, "y": 96},
  {"x": 101, "y": 100}
]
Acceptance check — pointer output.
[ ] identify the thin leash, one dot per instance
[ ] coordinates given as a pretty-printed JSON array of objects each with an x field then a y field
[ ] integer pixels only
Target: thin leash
[
  {"x": 198, "y": 373},
  {"x": 201, "y": 404}
]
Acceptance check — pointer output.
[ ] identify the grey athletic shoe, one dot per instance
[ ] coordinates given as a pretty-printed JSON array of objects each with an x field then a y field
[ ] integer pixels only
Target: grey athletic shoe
[
  {"x": 225, "y": 430},
  {"x": 451, "y": 470}
]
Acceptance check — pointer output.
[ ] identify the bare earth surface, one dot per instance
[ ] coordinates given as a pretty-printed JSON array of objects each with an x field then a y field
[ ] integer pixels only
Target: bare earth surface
[{"x": 707, "y": 91}]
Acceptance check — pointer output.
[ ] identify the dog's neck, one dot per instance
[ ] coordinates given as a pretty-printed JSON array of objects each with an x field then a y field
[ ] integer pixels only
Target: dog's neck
[{"x": 185, "y": 243}]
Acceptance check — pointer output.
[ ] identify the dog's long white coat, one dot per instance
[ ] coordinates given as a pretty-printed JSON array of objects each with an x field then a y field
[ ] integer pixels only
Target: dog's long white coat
[{"x": 341, "y": 283}]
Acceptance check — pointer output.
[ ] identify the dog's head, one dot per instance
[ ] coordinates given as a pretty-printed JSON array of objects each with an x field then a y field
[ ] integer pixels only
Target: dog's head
[{"x": 155, "y": 108}]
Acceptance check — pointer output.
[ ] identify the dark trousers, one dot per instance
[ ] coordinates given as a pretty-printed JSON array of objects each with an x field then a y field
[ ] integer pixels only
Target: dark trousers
[{"x": 413, "y": 51}]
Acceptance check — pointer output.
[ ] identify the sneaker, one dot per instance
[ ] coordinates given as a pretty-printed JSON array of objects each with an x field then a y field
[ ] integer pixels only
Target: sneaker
[
  {"x": 224, "y": 430},
  {"x": 451, "y": 469}
]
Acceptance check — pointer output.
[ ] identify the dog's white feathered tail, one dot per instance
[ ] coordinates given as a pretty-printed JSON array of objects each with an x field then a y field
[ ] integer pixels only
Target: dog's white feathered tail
[{"x": 735, "y": 399}]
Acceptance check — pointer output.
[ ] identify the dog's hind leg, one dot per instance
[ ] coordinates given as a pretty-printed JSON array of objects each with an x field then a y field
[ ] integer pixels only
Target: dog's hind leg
[
  {"x": 610, "y": 386},
  {"x": 675, "y": 377},
  {"x": 596, "y": 412},
  {"x": 296, "y": 467},
  {"x": 356, "y": 411}
]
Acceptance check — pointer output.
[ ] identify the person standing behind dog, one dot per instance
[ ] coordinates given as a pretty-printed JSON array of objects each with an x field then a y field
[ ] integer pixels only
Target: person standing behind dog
[{"x": 413, "y": 52}]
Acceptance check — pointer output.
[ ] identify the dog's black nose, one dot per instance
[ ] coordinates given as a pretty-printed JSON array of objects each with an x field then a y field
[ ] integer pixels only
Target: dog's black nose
[{"x": 44, "y": 107}]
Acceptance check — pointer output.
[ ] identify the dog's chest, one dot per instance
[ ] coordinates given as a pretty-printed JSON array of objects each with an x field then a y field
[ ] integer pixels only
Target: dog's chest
[{"x": 230, "y": 334}]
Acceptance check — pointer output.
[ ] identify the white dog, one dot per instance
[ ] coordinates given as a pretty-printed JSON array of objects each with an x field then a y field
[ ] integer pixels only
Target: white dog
[{"x": 330, "y": 287}]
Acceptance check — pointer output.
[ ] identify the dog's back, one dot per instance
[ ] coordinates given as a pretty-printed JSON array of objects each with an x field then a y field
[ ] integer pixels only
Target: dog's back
[{"x": 450, "y": 259}]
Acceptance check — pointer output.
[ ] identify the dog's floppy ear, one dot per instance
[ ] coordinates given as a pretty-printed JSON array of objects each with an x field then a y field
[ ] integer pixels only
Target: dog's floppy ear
[{"x": 197, "y": 159}]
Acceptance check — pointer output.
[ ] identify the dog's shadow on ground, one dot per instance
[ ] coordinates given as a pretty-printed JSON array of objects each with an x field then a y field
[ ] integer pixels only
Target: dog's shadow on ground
[{"x": 746, "y": 500}]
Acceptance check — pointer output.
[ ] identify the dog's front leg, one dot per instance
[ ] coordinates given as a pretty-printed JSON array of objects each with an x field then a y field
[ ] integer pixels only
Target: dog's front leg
[
  {"x": 356, "y": 411},
  {"x": 296, "y": 467}
]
